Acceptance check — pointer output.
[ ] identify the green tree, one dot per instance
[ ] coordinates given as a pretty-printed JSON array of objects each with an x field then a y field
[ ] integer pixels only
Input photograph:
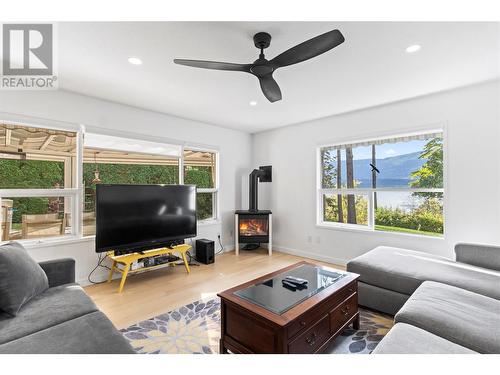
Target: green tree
[
  {"x": 329, "y": 168},
  {"x": 30, "y": 174},
  {"x": 26, "y": 174},
  {"x": 131, "y": 174},
  {"x": 198, "y": 175},
  {"x": 339, "y": 184},
  {"x": 201, "y": 176},
  {"x": 126, "y": 174},
  {"x": 430, "y": 174},
  {"x": 351, "y": 200}
]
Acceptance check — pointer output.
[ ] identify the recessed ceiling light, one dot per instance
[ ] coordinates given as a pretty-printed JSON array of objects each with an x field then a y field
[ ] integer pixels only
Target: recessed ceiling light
[
  {"x": 253, "y": 103},
  {"x": 413, "y": 48},
  {"x": 135, "y": 61}
]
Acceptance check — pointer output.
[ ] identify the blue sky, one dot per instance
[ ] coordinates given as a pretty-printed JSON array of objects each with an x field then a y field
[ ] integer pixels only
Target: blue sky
[{"x": 388, "y": 150}]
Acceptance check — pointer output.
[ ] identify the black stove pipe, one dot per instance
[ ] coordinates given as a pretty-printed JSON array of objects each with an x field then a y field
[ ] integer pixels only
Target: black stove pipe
[
  {"x": 253, "y": 199},
  {"x": 263, "y": 174}
]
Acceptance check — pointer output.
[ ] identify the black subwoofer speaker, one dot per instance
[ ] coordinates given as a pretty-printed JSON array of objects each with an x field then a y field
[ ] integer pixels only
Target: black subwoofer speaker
[{"x": 205, "y": 251}]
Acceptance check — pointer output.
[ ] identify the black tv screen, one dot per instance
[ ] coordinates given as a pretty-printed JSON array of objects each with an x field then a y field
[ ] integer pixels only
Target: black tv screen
[{"x": 131, "y": 218}]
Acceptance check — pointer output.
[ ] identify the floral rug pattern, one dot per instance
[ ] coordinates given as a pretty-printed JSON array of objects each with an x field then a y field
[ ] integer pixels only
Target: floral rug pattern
[{"x": 195, "y": 329}]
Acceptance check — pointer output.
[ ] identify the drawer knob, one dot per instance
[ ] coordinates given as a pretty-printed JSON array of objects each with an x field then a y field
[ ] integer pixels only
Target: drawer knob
[
  {"x": 311, "y": 340},
  {"x": 302, "y": 323},
  {"x": 345, "y": 312}
]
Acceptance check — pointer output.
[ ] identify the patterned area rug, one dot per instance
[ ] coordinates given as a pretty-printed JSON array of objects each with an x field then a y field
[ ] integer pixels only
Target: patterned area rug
[{"x": 195, "y": 329}]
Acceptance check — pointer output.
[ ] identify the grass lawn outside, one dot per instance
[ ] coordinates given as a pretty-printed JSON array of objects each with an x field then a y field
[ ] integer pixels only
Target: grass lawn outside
[{"x": 406, "y": 230}]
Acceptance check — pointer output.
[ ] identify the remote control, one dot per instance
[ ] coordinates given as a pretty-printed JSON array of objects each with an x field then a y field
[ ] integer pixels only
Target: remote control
[
  {"x": 289, "y": 285},
  {"x": 295, "y": 280}
]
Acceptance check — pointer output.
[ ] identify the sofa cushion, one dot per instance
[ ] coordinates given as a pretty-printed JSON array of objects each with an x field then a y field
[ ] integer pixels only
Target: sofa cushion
[
  {"x": 486, "y": 256},
  {"x": 54, "y": 306},
  {"x": 404, "y": 270},
  {"x": 406, "y": 339},
  {"x": 21, "y": 278},
  {"x": 380, "y": 299},
  {"x": 465, "y": 318},
  {"x": 88, "y": 334}
]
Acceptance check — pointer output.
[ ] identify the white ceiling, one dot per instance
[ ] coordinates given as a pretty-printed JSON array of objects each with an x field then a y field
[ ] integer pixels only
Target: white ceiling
[{"x": 371, "y": 67}]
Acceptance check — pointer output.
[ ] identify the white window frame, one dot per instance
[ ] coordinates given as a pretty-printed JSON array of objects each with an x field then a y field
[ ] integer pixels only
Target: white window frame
[
  {"x": 76, "y": 193},
  {"x": 215, "y": 190},
  {"x": 369, "y": 192}
]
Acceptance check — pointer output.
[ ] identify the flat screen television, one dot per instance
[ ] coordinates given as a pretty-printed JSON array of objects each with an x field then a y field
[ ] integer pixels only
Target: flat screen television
[{"x": 134, "y": 218}]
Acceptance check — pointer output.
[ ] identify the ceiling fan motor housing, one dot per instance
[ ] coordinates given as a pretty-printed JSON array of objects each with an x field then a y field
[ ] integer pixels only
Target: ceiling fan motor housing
[{"x": 262, "y": 40}]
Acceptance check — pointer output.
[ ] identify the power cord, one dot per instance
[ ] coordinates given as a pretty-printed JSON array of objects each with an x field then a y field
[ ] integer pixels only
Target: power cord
[
  {"x": 100, "y": 259},
  {"x": 192, "y": 261},
  {"x": 221, "y": 250}
]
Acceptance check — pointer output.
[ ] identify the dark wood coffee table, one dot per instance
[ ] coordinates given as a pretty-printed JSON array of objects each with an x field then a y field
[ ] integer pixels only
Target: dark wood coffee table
[{"x": 261, "y": 316}]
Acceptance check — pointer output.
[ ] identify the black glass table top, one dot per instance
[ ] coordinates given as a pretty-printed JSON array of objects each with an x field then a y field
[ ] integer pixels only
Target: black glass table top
[{"x": 273, "y": 296}]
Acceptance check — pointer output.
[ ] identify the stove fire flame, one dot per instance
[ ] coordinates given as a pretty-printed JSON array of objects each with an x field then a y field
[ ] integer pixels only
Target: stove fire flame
[{"x": 253, "y": 227}]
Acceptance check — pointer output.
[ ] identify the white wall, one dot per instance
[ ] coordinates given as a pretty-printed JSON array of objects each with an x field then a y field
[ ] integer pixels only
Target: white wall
[
  {"x": 234, "y": 150},
  {"x": 472, "y": 140}
]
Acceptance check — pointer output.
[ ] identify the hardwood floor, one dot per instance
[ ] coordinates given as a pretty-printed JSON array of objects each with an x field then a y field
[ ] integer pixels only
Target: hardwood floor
[{"x": 156, "y": 292}]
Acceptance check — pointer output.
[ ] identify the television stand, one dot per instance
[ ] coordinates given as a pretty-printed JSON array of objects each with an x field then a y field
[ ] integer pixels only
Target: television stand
[{"x": 127, "y": 260}]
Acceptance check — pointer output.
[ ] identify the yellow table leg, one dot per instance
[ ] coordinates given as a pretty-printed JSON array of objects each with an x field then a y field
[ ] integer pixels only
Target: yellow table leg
[
  {"x": 184, "y": 258},
  {"x": 111, "y": 271},
  {"x": 124, "y": 277}
]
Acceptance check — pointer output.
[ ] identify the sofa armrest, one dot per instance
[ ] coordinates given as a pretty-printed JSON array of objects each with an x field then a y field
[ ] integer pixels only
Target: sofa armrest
[
  {"x": 486, "y": 256},
  {"x": 59, "y": 271}
]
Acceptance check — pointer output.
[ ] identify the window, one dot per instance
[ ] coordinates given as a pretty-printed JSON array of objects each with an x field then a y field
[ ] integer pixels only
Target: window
[
  {"x": 121, "y": 167},
  {"x": 200, "y": 169},
  {"x": 37, "y": 191},
  {"x": 392, "y": 184},
  {"x": 48, "y": 177}
]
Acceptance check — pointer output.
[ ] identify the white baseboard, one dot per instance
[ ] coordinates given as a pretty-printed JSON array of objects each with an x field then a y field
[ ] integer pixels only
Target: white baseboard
[
  {"x": 228, "y": 247},
  {"x": 306, "y": 254},
  {"x": 97, "y": 277}
]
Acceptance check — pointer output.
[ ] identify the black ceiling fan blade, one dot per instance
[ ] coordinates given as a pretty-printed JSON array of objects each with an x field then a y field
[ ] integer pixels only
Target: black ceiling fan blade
[
  {"x": 270, "y": 88},
  {"x": 309, "y": 49},
  {"x": 214, "y": 65}
]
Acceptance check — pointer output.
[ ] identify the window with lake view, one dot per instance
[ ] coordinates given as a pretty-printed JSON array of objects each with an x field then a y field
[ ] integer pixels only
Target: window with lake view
[{"x": 393, "y": 184}]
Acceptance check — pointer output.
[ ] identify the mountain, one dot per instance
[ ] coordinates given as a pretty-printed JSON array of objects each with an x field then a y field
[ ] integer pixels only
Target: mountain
[{"x": 394, "y": 170}]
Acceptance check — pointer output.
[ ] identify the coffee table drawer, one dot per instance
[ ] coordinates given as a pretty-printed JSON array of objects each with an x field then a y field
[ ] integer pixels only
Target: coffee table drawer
[
  {"x": 312, "y": 339},
  {"x": 308, "y": 319},
  {"x": 343, "y": 312}
]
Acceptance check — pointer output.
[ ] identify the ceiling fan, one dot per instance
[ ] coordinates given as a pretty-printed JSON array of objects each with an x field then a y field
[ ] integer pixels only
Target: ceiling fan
[{"x": 263, "y": 69}]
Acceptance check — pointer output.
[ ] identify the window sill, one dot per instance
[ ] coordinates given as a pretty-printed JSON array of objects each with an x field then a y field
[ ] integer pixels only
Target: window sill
[
  {"x": 54, "y": 241},
  {"x": 203, "y": 223},
  {"x": 71, "y": 239},
  {"x": 351, "y": 228}
]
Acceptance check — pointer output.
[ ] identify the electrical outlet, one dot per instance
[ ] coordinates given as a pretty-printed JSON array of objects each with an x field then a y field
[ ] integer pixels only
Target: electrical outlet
[
  {"x": 318, "y": 239},
  {"x": 309, "y": 239},
  {"x": 231, "y": 233}
]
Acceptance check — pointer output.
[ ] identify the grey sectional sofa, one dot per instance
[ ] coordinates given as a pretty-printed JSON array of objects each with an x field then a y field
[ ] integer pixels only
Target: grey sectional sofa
[
  {"x": 63, "y": 319},
  {"x": 440, "y": 305}
]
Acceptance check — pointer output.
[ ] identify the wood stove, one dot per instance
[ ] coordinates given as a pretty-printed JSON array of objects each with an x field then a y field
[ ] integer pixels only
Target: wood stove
[{"x": 253, "y": 227}]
